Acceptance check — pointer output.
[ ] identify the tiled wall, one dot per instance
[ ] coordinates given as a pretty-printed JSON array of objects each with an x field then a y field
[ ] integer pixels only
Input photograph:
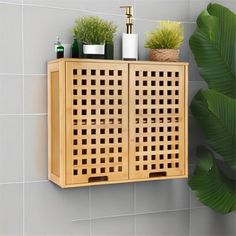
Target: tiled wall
[{"x": 31, "y": 205}]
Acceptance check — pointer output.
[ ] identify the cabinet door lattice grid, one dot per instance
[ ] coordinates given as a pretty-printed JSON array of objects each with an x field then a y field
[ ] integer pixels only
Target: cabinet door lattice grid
[
  {"x": 156, "y": 121},
  {"x": 97, "y": 122}
]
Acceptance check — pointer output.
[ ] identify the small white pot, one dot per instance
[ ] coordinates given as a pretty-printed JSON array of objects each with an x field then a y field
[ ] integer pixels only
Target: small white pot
[{"x": 94, "y": 49}]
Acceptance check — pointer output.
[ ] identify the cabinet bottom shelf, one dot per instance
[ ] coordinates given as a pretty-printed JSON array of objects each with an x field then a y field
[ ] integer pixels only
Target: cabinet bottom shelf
[{"x": 54, "y": 180}]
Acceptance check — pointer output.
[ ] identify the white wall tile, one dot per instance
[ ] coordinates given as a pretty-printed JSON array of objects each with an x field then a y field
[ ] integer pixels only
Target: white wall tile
[
  {"x": 162, "y": 195},
  {"x": 35, "y": 141},
  {"x": 193, "y": 69},
  {"x": 102, "y": 6},
  {"x": 194, "y": 87},
  {"x": 39, "y": 41},
  {"x": 141, "y": 28},
  {"x": 175, "y": 223},
  {"x": 50, "y": 210},
  {"x": 11, "y": 210},
  {"x": 11, "y": 146},
  {"x": 194, "y": 202},
  {"x": 231, "y": 4},
  {"x": 11, "y": 38},
  {"x": 35, "y": 94},
  {"x": 163, "y": 9},
  {"x": 115, "y": 226},
  {"x": 196, "y": 7},
  {"x": 112, "y": 200},
  {"x": 205, "y": 221},
  {"x": 11, "y": 88}
]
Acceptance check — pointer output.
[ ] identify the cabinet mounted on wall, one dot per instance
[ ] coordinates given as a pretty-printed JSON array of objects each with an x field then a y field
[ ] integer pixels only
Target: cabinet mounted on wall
[{"x": 116, "y": 121}]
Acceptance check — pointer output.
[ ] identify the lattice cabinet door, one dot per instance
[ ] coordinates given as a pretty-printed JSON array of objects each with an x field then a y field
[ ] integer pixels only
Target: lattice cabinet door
[
  {"x": 157, "y": 121},
  {"x": 96, "y": 122}
]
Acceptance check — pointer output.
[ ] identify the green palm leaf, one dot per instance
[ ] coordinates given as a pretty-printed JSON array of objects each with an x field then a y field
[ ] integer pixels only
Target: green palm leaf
[
  {"x": 215, "y": 113},
  {"x": 211, "y": 186},
  {"x": 214, "y": 45}
]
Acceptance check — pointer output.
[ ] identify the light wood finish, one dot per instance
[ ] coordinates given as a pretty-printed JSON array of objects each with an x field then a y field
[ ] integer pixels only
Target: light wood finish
[
  {"x": 56, "y": 123},
  {"x": 97, "y": 122},
  {"x": 116, "y": 121},
  {"x": 156, "y": 121}
]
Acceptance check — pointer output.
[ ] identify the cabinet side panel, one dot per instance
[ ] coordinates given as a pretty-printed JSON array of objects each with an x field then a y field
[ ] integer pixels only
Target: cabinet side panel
[{"x": 55, "y": 124}]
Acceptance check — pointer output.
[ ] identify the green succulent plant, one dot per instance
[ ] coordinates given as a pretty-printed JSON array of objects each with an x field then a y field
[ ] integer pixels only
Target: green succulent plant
[
  {"x": 168, "y": 36},
  {"x": 214, "y": 48},
  {"x": 94, "y": 30}
]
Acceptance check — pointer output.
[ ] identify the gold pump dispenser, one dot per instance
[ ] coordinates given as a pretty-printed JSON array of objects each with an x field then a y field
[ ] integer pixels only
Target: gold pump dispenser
[
  {"x": 129, "y": 14},
  {"x": 129, "y": 39}
]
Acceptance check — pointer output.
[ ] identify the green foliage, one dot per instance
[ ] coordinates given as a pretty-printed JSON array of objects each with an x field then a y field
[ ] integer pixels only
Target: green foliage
[
  {"x": 168, "y": 36},
  {"x": 94, "y": 30},
  {"x": 211, "y": 186},
  {"x": 213, "y": 45},
  {"x": 215, "y": 113}
]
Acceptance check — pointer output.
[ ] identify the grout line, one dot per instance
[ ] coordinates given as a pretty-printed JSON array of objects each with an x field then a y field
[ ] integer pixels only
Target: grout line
[
  {"x": 23, "y": 109},
  {"x": 25, "y": 182},
  {"x": 10, "y": 74},
  {"x": 135, "y": 201},
  {"x": 139, "y": 214},
  {"x": 157, "y": 21},
  {"x": 10, "y": 3},
  {"x": 35, "y": 114},
  {"x": 11, "y": 183},
  {"x": 26, "y": 114},
  {"x": 35, "y": 74},
  {"x": 75, "y": 9},
  {"x": 36, "y": 181},
  {"x": 90, "y": 212},
  {"x": 98, "y": 13},
  {"x": 17, "y": 74},
  {"x": 11, "y": 114}
]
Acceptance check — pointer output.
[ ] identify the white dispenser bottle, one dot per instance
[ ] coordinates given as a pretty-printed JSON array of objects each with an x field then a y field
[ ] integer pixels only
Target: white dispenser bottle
[{"x": 129, "y": 40}]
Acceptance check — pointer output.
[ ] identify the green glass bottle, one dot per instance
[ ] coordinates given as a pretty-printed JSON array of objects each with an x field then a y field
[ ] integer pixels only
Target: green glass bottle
[
  {"x": 59, "y": 49},
  {"x": 75, "y": 49}
]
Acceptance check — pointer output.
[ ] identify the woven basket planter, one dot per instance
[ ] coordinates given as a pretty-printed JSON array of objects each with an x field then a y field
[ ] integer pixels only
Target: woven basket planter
[{"x": 164, "y": 55}]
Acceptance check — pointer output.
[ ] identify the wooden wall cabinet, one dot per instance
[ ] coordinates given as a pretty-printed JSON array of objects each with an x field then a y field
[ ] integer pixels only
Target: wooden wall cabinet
[{"x": 116, "y": 121}]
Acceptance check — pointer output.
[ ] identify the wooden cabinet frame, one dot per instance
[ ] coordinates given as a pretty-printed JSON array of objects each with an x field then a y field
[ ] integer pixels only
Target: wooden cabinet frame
[{"x": 116, "y": 121}]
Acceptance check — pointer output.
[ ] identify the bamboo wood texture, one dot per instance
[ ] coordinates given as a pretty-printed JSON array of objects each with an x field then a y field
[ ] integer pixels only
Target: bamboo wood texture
[{"x": 116, "y": 121}]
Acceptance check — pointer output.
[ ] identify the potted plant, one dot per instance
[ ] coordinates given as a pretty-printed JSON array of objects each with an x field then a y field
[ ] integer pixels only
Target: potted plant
[
  {"x": 94, "y": 33},
  {"x": 165, "y": 41}
]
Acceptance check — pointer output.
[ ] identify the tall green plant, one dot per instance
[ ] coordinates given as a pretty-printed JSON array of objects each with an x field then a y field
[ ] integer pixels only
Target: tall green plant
[
  {"x": 214, "y": 48},
  {"x": 94, "y": 30}
]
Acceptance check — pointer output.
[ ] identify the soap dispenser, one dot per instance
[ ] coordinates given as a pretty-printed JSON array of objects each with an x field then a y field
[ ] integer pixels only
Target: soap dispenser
[{"x": 129, "y": 40}]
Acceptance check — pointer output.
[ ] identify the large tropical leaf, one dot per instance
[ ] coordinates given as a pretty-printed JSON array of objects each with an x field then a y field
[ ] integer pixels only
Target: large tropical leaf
[
  {"x": 215, "y": 113},
  {"x": 214, "y": 46},
  {"x": 211, "y": 186}
]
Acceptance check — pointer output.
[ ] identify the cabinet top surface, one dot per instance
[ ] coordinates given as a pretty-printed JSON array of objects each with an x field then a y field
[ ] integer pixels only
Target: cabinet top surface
[{"x": 117, "y": 61}]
